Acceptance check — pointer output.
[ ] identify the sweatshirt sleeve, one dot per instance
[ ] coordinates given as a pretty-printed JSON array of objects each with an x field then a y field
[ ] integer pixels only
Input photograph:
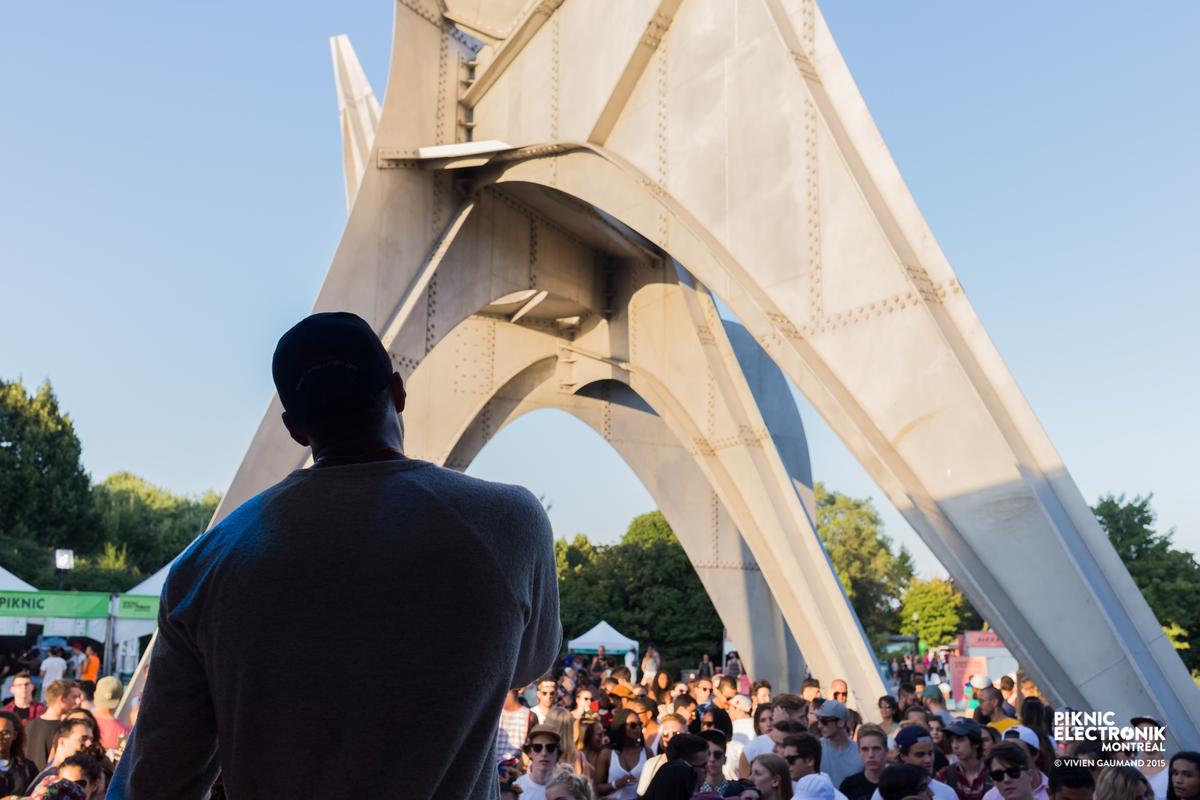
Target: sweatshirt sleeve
[
  {"x": 172, "y": 751},
  {"x": 542, "y": 637}
]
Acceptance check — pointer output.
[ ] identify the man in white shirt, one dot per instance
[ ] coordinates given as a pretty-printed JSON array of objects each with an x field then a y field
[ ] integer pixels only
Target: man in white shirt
[
  {"x": 1157, "y": 775},
  {"x": 544, "y": 748},
  {"x": 547, "y": 690},
  {"x": 787, "y": 710},
  {"x": 54, "y": 667},
  {"x": 743, "y": 723}
]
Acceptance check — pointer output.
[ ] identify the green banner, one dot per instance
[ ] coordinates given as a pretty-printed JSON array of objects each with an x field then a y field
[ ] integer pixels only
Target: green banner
[
  {"x": 67, "y": 605},
  {"x": 137, "y": 606}
]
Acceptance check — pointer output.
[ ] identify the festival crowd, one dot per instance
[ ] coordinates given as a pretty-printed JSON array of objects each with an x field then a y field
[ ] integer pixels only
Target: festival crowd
[
  {"x": 65, "y": 744},
  {"x": 592, "y": 730}
]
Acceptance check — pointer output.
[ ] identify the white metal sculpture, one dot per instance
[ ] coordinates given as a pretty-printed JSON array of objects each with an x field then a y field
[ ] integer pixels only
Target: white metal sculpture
[{"x": 555, "y": 192}]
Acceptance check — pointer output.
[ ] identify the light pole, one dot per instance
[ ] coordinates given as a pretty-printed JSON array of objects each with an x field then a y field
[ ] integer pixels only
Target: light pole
[
  {"x": 916, "y": 636},
  {"x": 64, "y": 560}
]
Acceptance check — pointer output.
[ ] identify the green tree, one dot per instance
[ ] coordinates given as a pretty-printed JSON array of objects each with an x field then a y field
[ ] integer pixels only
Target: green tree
[
  {"x": 872, "y": 574},
  {"x": 1166, "y": 577},
  {"x": 148, "y": 523},
  {"x": 44, "y": 490},
  {"x": 645, "y": 587},
  {"x": 940, "y": 608}
]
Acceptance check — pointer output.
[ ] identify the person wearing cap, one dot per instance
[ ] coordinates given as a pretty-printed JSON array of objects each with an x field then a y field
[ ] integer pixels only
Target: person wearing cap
[
  {"x": 839, "y": 755},
  {"x": 107, "y": 698},
  {"x": 915, "y": 746},
  {"x": 740, "y": 707},
  {"x": 366, "y": 545},
  {"x": 967, "y": 775},
  {"x": 1029, "y": 742},
  {"x": 543, "y": 748},
  {"x": 1153, "y": 765}
]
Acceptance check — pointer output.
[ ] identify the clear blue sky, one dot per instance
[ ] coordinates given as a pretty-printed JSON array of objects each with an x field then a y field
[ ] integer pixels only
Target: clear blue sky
[{"x": 170, "y": 197}]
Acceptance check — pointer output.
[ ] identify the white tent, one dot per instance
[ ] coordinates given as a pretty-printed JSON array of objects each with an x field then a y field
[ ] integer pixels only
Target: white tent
[
  {"x": 603, "y": 634},
  {"x": 11, "y": 583}
]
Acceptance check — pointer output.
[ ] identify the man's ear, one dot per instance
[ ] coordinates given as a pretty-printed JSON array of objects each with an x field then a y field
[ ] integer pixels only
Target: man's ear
[
  {"x": 399, "y": 396},
  {"x": 294, "y": 430}
]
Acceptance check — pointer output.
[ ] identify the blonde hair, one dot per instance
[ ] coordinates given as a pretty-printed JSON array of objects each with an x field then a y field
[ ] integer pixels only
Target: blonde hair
[
  {"x": 561, "y": 720},
  {"x": 1119, "y": 783}
]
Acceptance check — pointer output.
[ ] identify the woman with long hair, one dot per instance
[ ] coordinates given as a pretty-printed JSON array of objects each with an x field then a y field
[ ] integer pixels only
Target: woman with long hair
[
  {"x": 762, "y": 719},
  {"x": 1034, "y": 716},
  {"x": 1184, "y": 775},
  {"x": 769, "y": 774},
  {"x": 561, "y": 720},
  {"x": 18, "y": 771},
  {"x": 889, "y": 712},
  {"x": 1122, "y": 783},
  {"x": 660, "y": 689},
  {"x": 589, "y": 741},
  {"x": 620, "y": 764}
]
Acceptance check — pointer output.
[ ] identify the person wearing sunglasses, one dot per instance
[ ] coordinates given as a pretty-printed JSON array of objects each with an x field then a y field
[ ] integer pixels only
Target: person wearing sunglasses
[
  {"x": 620, "y": 764},
  {"x": 543, "y": 748},
  {"x": 1008, "y": 767},
  {"x": 714, "y": 779},
  {"x": 838, "y": 753}
]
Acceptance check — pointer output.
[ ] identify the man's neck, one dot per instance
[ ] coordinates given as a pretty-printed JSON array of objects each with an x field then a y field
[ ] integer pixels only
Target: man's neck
[
  {"x": 18, "y": 704},
  {"x": 539, "y": 774},
  {"x": 873, "y": 775},
  {"x": 53, "y": 714},
  {"x": 102, "y": 712},
  {"x": 970, "y": 765},
  {"x": 840, "y": 739}
]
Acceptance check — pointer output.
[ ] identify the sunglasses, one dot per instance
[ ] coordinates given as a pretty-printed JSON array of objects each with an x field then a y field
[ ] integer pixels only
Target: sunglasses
[
  {"x": 998, "y": 775},
  {"x": 550, "y": 747},
  {"x": 792, "y": 759},
  {"x": 716, "y": 756},
  {"x": 545, "y": 691},
  {"x": 836, "y": 695}
]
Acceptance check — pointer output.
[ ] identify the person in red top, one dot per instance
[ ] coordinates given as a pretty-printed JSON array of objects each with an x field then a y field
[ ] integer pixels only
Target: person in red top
[
  {"x": 107, "y": 698},
  {"x": 22, "y": 703}
]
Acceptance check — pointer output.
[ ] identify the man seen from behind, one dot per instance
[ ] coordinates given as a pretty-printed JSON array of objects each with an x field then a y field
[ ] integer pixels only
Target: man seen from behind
[{"x": 366, "y": 545}]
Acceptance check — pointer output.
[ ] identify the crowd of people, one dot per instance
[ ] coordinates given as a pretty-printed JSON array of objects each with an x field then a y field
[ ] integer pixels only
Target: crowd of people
[
  {"x": 65, "y": 745},
  {"x": 590, "y": 730}
]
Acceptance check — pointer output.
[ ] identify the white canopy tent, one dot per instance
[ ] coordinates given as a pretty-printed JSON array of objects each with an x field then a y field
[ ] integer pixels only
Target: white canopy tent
[
  {"x": 127, "y": 632},
  {"x": 604, "y": 634},
  {"x": 11, "y": 583}
]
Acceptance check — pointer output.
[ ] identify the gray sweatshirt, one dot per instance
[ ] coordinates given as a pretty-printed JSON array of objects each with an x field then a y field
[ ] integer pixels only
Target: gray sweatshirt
[{"x": 350, "y": 631}]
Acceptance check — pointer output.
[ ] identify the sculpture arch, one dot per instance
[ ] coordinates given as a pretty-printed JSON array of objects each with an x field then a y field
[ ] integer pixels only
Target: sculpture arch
[{"x": 729, "y": 138}]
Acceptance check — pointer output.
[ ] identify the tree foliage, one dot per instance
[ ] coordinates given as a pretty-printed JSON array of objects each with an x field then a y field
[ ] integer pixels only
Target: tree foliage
[
  {"x": 1168, "y": 578},
  {"x": 45, "y": 493},
  {"x": 645, "y": 587},
  {"x": 940, "y": 608},
  {"x": 149, "y": 524},
  {"x": 873, "y": 576},
  {"x": 120, "y": 530}
]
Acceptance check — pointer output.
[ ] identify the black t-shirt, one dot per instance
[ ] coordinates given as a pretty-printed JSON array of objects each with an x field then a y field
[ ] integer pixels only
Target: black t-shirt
[
  {"x": 39, "y": 735},
  {"x": 939, "y": 760},
  {"x": 858, "y": 787},
  {"x": 22, "y": 713}
]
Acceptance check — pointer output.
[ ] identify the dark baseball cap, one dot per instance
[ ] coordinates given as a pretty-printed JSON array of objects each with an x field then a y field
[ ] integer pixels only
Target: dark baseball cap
[
  {"x": 909, "y": 735},
  {"x": 328, "y": 364}
]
